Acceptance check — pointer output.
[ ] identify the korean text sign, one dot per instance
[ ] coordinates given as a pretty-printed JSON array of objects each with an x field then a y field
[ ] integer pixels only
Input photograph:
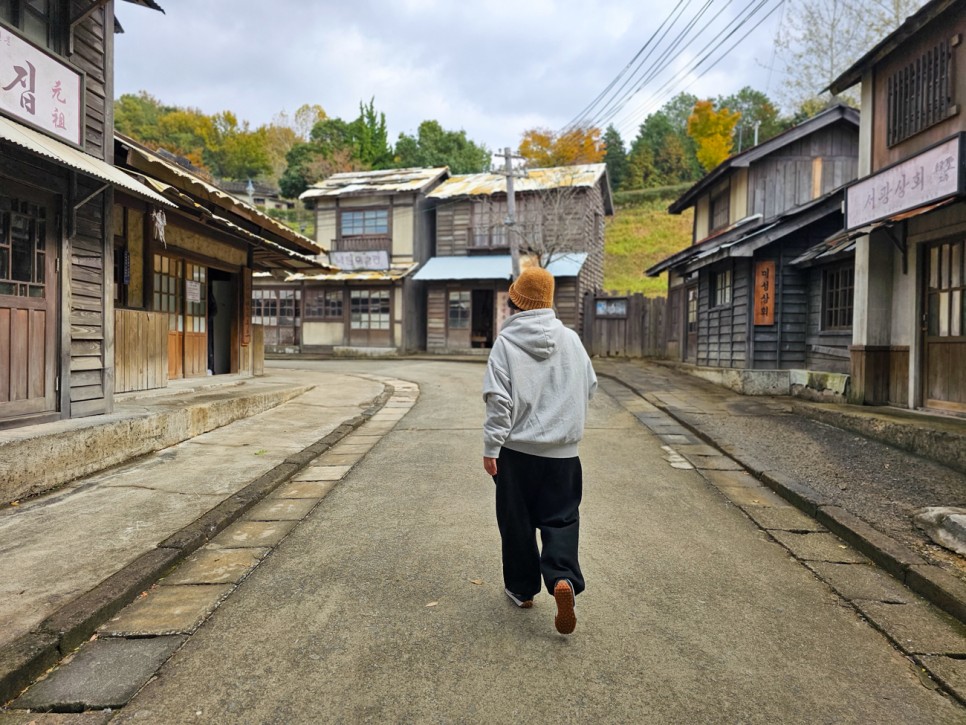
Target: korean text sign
[
  {"x": 38, "y": 89},
  {"x": 765, "y": 292}
]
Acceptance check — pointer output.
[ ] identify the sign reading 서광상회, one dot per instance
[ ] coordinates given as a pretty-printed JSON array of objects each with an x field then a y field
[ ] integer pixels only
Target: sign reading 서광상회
[
  {"x": 38, "y": 89},
  {"x": 926, "y": 177},
  {"x": 765, "y": 292}
]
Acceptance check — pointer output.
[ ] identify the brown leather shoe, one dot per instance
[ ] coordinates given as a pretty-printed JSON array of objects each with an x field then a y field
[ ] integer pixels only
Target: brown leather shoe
[{"x": 566, "y": 619}]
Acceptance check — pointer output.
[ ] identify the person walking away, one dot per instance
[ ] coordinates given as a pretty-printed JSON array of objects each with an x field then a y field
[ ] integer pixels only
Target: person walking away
[{"x": 536, "y": 387}]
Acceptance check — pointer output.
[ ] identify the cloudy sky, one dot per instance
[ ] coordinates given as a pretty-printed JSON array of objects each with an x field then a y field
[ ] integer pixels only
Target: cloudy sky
[{"x": 493, "y": 68}]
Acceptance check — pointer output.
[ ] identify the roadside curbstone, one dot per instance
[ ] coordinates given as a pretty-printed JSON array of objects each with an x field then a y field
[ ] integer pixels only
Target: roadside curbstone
[
  {"x": 24, "y": 659},
  {"x": 800, "y": 495},
  {"x": 73, "y": 623},
  {"x": 885, "y": 551},
  {"x": 945, "y": 591}
]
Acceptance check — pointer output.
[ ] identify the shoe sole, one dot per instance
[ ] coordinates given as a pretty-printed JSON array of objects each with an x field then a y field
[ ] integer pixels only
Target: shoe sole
[
  {"x": 566, "y": 619},
  {"x": 521, "y": 603}
]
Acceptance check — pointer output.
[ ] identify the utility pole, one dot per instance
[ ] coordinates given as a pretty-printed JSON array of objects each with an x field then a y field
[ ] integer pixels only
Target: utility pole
[{"x": 511, "y": 209}]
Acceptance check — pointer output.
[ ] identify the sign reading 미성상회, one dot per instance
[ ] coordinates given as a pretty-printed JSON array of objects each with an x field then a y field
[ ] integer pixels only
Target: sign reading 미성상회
[
  {"x": 765, "y": 292},
  {"x": 40, "y": 90}
]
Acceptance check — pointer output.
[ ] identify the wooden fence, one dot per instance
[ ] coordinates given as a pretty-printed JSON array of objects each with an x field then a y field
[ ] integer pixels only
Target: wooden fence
[
  {"x": 140, "y": 350},
  {"x": 625, "y": 326}
]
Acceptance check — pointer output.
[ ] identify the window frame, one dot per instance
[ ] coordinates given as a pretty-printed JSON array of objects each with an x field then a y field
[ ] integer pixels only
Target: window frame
[
  {"x": 463, "y": 319},
  {"x": 716, "y": 298},
  {"x": 365, "y": 231},
  {"x": 840, "y": 316},
  {"x": 720, "y": 199},
  {"x": 319, "y": 302},
  {"x": 53, "y": 18},
  {"x": 919, "y": 95}
]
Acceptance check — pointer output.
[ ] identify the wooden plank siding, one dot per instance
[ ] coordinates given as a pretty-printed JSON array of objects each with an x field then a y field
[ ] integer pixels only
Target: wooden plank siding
[
  {"x": 141, "y": 350},
  {"x": 436, "y": 318},
  {"x": 826, "y": 350},
  {"x": 93, "y": 43},
  {"x": 783, "y": 179}
]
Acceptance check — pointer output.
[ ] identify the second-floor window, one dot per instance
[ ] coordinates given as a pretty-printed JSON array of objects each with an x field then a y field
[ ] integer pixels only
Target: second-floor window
[
  {"x": 366, "y": 222},
  {"x": 38, "y": 20},
  {"x": 720, "y": 208},
  {"x": 920, "y": 95},
  {"x": 489, "y": 237}
]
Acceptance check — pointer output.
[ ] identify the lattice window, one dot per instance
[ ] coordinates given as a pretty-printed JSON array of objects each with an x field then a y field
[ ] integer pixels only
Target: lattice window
[
  {"x": 23, "y": 252},
  {"x": 459, "y": 309},
  {"x": 369, "y": 310},
  {"x": 837, "y": 298},
  {"x": 920, "y": 94},
  {"x": 722, "y": 288}
]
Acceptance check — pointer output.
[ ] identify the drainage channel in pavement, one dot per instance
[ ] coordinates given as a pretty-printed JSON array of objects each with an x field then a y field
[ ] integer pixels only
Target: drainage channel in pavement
[
  {"x": 932, "y": 641},
  {"x": 127, "y": 651}
]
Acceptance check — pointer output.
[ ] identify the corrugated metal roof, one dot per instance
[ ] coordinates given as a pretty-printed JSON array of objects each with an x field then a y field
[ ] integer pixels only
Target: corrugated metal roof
[
  {"x": 38, "y": 143},
  {"x": 536, "y": 180},
  {"x": 386, "y": 181},
  {"x": 147, "y": 161},
  {"x": 493, "y": 266},
  {"x": 388, "y": 275}
]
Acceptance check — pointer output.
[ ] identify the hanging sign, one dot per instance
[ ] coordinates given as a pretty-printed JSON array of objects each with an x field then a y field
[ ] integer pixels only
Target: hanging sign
[
  {"x": 928, "y": 177},
  {"x": 40, "y": 90},
  {"x": 765, "y": 292},
  {"x": 374, "y": 260}
]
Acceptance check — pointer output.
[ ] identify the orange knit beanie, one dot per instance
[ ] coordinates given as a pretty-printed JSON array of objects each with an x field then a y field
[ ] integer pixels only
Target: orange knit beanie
[{"x": 533, "y": 289}]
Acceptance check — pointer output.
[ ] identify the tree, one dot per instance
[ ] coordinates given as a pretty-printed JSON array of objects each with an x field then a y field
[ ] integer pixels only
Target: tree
[
  {"x": 233, "y": 151},
  {"x": 369, "y": 137},
  {"x": 713, "y": 132},
  {"x": 819, "y": 39},
  {"x": 615, "y": 157},
  {"x": 662, "y": 153},
  {"x": 543, "y": 148},
  {"x": 434, "y": 146},
  {"x": 757, "y": 110}
]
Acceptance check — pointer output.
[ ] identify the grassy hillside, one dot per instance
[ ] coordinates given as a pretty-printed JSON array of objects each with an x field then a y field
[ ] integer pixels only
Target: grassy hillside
[{"x": 640, "y": 234}]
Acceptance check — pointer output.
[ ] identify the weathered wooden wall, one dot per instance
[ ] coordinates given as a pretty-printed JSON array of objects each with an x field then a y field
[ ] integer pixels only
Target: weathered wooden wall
[
  {"x": 140, "y": 350},
  {"x": 642, "y": 333}
]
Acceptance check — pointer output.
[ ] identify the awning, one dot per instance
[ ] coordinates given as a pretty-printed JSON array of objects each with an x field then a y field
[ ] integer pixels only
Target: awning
[
  {"x": 38, "y": 143},
  {"x": 497, "y": 266}
]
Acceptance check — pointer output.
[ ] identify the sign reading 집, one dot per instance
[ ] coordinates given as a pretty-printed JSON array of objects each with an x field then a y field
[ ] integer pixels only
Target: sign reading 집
[{"x": 38, "y": 89}]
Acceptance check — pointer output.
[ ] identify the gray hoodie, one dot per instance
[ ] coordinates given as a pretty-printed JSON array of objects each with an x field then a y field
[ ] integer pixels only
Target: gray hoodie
[{"x": 537, "y": 384}]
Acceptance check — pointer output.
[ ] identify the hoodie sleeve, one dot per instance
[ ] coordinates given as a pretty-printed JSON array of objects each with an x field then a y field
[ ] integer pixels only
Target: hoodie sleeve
[
  {"x": 499, "y": 407},
  {"x": 591, "y": 379}
]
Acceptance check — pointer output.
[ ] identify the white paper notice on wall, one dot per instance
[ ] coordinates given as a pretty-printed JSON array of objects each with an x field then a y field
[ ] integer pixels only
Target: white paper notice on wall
[{"x": 192, "y": 291}]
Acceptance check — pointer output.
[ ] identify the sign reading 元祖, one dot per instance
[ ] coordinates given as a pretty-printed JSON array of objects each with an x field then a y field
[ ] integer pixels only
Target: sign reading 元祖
[
  {"x": 765, "y": 292},
  {"x": 38, "y": 89}
]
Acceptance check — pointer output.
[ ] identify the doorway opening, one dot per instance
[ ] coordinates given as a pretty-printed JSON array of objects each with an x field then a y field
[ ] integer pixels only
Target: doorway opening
[
  {"x": 221, "y": 313},
  {"x": 481, "y": 324}
]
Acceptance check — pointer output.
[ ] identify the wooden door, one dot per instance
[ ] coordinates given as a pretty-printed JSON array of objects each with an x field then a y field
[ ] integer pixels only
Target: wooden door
[
  {"x": 195, "y": 320},
  {"x": 370, "y": 317},
  {"x": 944, "y": 344},
  {"x": 28, "y": 303},
  {"x": 691, "y": 323},
  {"x": 169, "y": 298}
]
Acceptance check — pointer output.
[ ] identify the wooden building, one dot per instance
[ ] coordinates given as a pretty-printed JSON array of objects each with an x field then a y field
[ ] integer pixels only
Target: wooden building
[
  {"x": 57, "y": 184},
  {"x": 378, "y": 225},
  {"x": 183, "y": 278},
  {"x": 756, "y": 290},
  {"x": 907, "y": 214},
  {"x": 560, "y": 225}
]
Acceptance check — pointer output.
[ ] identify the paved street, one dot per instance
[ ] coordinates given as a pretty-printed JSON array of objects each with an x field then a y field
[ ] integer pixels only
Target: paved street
[{"x": 385, "y": 604}]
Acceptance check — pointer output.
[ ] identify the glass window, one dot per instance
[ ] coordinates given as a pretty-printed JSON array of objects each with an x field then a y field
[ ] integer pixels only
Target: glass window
[
  {"x": 36, "y": 19},
  {"x": 722, "y": 288},
  {"x": 365, "y": 222},
  {"x": 23, "y": 254},
  {"x": 459, "y": 309},
  {"x": 369, "y": 309},
  {"x": 323, "y": 304},
  {"x": 838, "y": 284}
]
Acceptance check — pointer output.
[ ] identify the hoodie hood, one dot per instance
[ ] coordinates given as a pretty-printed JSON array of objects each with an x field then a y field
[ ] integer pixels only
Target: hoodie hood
[{"x": 533, "y": 331}]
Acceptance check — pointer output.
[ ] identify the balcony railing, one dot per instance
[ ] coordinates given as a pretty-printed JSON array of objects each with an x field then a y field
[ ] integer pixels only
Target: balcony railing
[{"x": 363, "y": 243}]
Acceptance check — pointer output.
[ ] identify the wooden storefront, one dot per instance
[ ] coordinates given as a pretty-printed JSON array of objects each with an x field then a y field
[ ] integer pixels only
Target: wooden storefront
[{"x": 57, "y": 182}]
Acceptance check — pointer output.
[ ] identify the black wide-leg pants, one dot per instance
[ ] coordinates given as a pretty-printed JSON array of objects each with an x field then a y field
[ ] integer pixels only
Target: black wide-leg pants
[{"x": 535, "y": 493}]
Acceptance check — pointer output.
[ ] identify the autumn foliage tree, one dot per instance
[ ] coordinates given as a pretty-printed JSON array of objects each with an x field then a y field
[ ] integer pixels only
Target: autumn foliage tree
[
  {"x": 713, "y": 132},
  {"x": 543, "y": 148}
]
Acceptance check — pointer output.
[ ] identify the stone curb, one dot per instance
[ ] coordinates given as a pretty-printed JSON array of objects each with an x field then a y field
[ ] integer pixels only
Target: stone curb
[
  {"x": 928, "y": 581},
  {"x": 31, "y": 654}
]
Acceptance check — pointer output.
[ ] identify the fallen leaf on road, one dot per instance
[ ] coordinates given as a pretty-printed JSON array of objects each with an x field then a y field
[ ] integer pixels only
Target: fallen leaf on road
[
  {"x": 478, "y": 582},
  {"x": 432, "y": 604},
  {"x": 14, "y": 503}
]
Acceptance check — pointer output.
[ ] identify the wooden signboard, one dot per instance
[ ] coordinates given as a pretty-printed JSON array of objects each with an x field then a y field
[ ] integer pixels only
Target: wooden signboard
[{"x": 765, "y": 292}]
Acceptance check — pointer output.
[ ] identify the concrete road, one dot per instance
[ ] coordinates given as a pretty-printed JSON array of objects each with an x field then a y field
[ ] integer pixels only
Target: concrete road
[{"x": 372, "y": 609}]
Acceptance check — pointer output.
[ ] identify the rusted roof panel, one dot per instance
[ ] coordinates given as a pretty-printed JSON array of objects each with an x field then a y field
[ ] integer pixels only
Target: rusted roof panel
[
  {"x": 385, "y": 181},
  {"x": 387, "y": 275},
  {"x": 536, "y": 180}
]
